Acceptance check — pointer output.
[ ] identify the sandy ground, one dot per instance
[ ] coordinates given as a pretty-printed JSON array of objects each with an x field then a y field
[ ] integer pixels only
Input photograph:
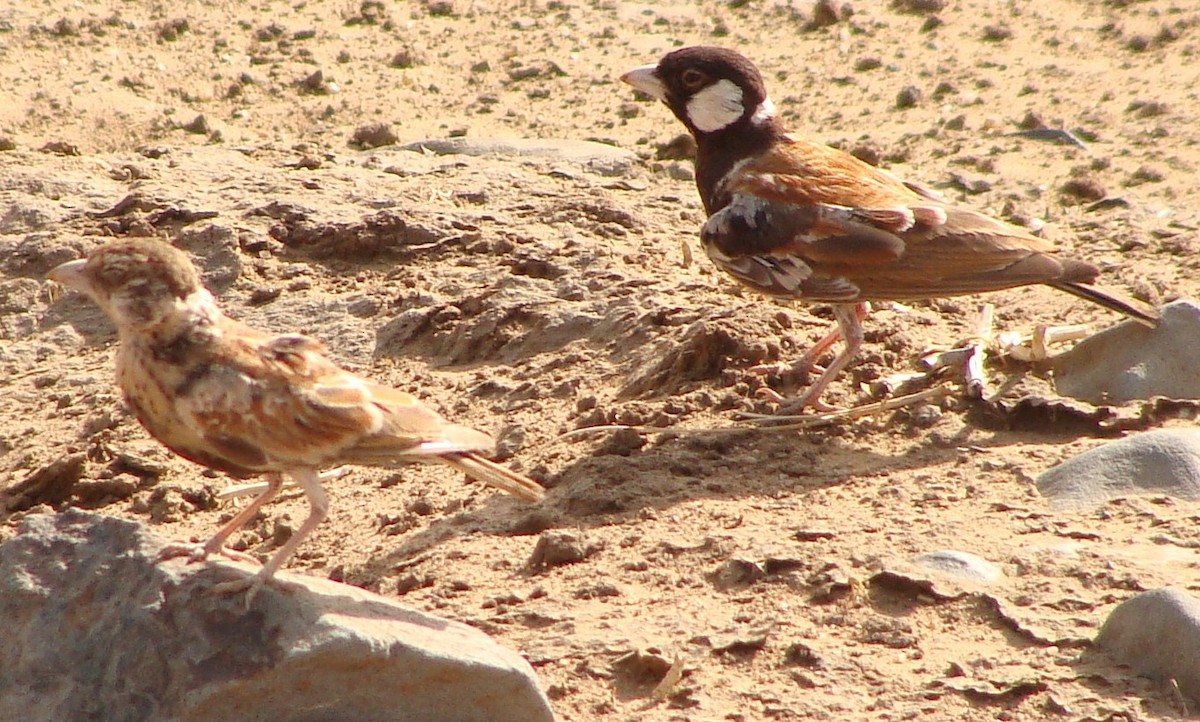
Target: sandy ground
[{"x": 531, "y": 295}]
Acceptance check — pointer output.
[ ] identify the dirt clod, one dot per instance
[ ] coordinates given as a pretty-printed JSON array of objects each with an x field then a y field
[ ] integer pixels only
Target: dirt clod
[{"x": 555, "y": 548}]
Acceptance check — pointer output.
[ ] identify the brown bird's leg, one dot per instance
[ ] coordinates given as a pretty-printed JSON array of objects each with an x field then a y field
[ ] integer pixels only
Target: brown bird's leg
[
  {"x": 216, "y": 544},
  {"x": 849, "y": 319},
  {"x": 318, "y": 502}
]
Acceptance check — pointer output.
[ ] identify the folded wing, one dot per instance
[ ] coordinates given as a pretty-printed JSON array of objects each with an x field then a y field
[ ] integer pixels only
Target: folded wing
[
  {"x": 280, "y": 402},
  {"x": 805, "y": 220}
]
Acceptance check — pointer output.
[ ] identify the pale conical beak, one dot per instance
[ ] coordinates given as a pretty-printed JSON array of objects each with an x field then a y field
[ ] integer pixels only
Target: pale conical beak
[
  {"x": 646, "y": 80},
  {"x": 70, "y": 274}
]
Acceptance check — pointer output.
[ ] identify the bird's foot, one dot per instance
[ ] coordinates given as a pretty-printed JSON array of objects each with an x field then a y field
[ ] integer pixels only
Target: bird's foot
[
  {"x": 777, "y": 368},
  {"x": 252, "y": 584},
  {"x": 788, "y": 406},
  {"x": 783, "y": 369},
  {"x": 770, "y": 394},
  {"x": 799, "y": 370},
  {"x": 797, "y": 405},
  {"x": 200, "y": 552}
]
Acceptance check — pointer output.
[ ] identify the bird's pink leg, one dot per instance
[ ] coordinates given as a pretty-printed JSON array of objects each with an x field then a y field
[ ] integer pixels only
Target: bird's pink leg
[
  {"x": 216, "y": 544},
  {"x": 310, "y": 483},
  {"x": 849, "y": 318},
  {"x": 808, "y": 361}
]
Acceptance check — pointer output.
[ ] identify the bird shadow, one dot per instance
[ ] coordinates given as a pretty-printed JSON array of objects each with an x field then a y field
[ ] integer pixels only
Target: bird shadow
[
  {"x": 607, "y": 487},
  {"x": 619, "y": 479}
]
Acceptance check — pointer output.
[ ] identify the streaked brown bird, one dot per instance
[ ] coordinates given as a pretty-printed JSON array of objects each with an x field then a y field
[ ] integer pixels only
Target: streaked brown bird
[
  {"x": 235, "y": 399},
  {"x": 800, "y": 220}
]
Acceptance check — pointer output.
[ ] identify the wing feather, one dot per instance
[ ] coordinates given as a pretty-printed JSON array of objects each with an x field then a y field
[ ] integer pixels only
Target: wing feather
[
  {"x": 278, "y": 402},
  {"x": 411, "y": 430},
  {"x": 813, "y": 222}
]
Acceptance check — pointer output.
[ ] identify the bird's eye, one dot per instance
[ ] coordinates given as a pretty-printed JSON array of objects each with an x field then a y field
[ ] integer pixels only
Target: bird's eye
[{"x": 693, "y": 79}]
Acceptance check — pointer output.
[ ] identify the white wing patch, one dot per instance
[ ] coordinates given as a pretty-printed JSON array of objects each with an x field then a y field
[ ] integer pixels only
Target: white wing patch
[
  {"x": 716, "y": 107},
  {"x": 733, "y": 174}
]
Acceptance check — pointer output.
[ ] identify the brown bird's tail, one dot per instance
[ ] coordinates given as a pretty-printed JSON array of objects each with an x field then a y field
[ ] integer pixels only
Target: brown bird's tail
[
  {"x": 501, "y": 477},
  {"x": 1131, "y": 307}
]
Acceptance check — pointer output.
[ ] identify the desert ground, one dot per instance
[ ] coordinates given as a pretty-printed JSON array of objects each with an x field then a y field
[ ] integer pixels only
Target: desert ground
[{"x": 532, "y": 293}]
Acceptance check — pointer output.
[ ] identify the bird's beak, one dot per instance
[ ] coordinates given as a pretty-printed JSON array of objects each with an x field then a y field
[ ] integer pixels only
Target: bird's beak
[
  {"x": 646, "y": 80},
  {"x": 70, "y": 274}
]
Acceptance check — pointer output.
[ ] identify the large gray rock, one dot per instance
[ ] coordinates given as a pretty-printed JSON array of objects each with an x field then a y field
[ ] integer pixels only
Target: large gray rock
[
  {"x": 1129, "y": 361},
  {"x": 1165, "y": 462},
  {"x": 94, "y": 629},
  {"x": 1157, "y": 634}
]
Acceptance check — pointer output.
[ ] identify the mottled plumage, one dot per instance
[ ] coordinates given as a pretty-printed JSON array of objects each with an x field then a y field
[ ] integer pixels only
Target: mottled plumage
[
  {"x": 796, "y": 219},
  {"x": 232, "y": 398}
]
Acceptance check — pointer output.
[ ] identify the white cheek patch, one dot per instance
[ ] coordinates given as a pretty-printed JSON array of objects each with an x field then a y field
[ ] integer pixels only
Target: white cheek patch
[
  {"x": 764, "y": 112},
  {"x": 716, "y": 107}
]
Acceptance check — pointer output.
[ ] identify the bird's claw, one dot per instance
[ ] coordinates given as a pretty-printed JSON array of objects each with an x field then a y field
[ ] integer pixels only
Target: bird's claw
[
  {"x": 193, "y": 552},
  {"x": 772, "y": 369},
  {"x": 803, "y": 367},
  {"x": 200, "y": 552},
  {"x": 251, "y": 585},
  {"x": 793, "y": 407},
  {"x": 770, "y": 394}
]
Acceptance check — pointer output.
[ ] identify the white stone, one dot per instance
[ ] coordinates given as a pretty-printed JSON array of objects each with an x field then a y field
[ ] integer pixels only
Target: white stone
[{"x": 964, "y": 565}]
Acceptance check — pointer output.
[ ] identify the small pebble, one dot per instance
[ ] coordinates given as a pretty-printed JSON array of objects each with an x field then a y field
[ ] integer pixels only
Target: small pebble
[{"x": 908, "y": 97}]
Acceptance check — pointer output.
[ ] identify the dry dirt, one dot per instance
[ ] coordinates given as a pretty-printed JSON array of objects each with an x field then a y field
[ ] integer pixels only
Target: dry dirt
[{"x": 530, "y": 295}]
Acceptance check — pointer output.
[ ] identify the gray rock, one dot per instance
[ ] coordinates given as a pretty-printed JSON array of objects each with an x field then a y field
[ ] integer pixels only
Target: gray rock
[
  {"x": 680, "y": 171},
  {"x": 1157, "y": 634},
  {"x": 95, "y": 629},
  {"x": 30, "y": 214},
  {"x": 959, "y": 564},
  {"x": 215, "y": 247},
  {"x": 1166, "y": 461},
  {"x": 1129, "y": 361}
]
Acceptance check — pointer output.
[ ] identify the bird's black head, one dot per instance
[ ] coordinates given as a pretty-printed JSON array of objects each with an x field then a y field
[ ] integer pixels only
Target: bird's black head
[{"x": 711, "y": 90}]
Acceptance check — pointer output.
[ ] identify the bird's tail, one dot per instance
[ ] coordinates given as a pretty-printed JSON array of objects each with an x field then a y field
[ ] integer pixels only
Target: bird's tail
[
  {"x": 497, "y": 475},
  {"x": 1131, "y": 307}
]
